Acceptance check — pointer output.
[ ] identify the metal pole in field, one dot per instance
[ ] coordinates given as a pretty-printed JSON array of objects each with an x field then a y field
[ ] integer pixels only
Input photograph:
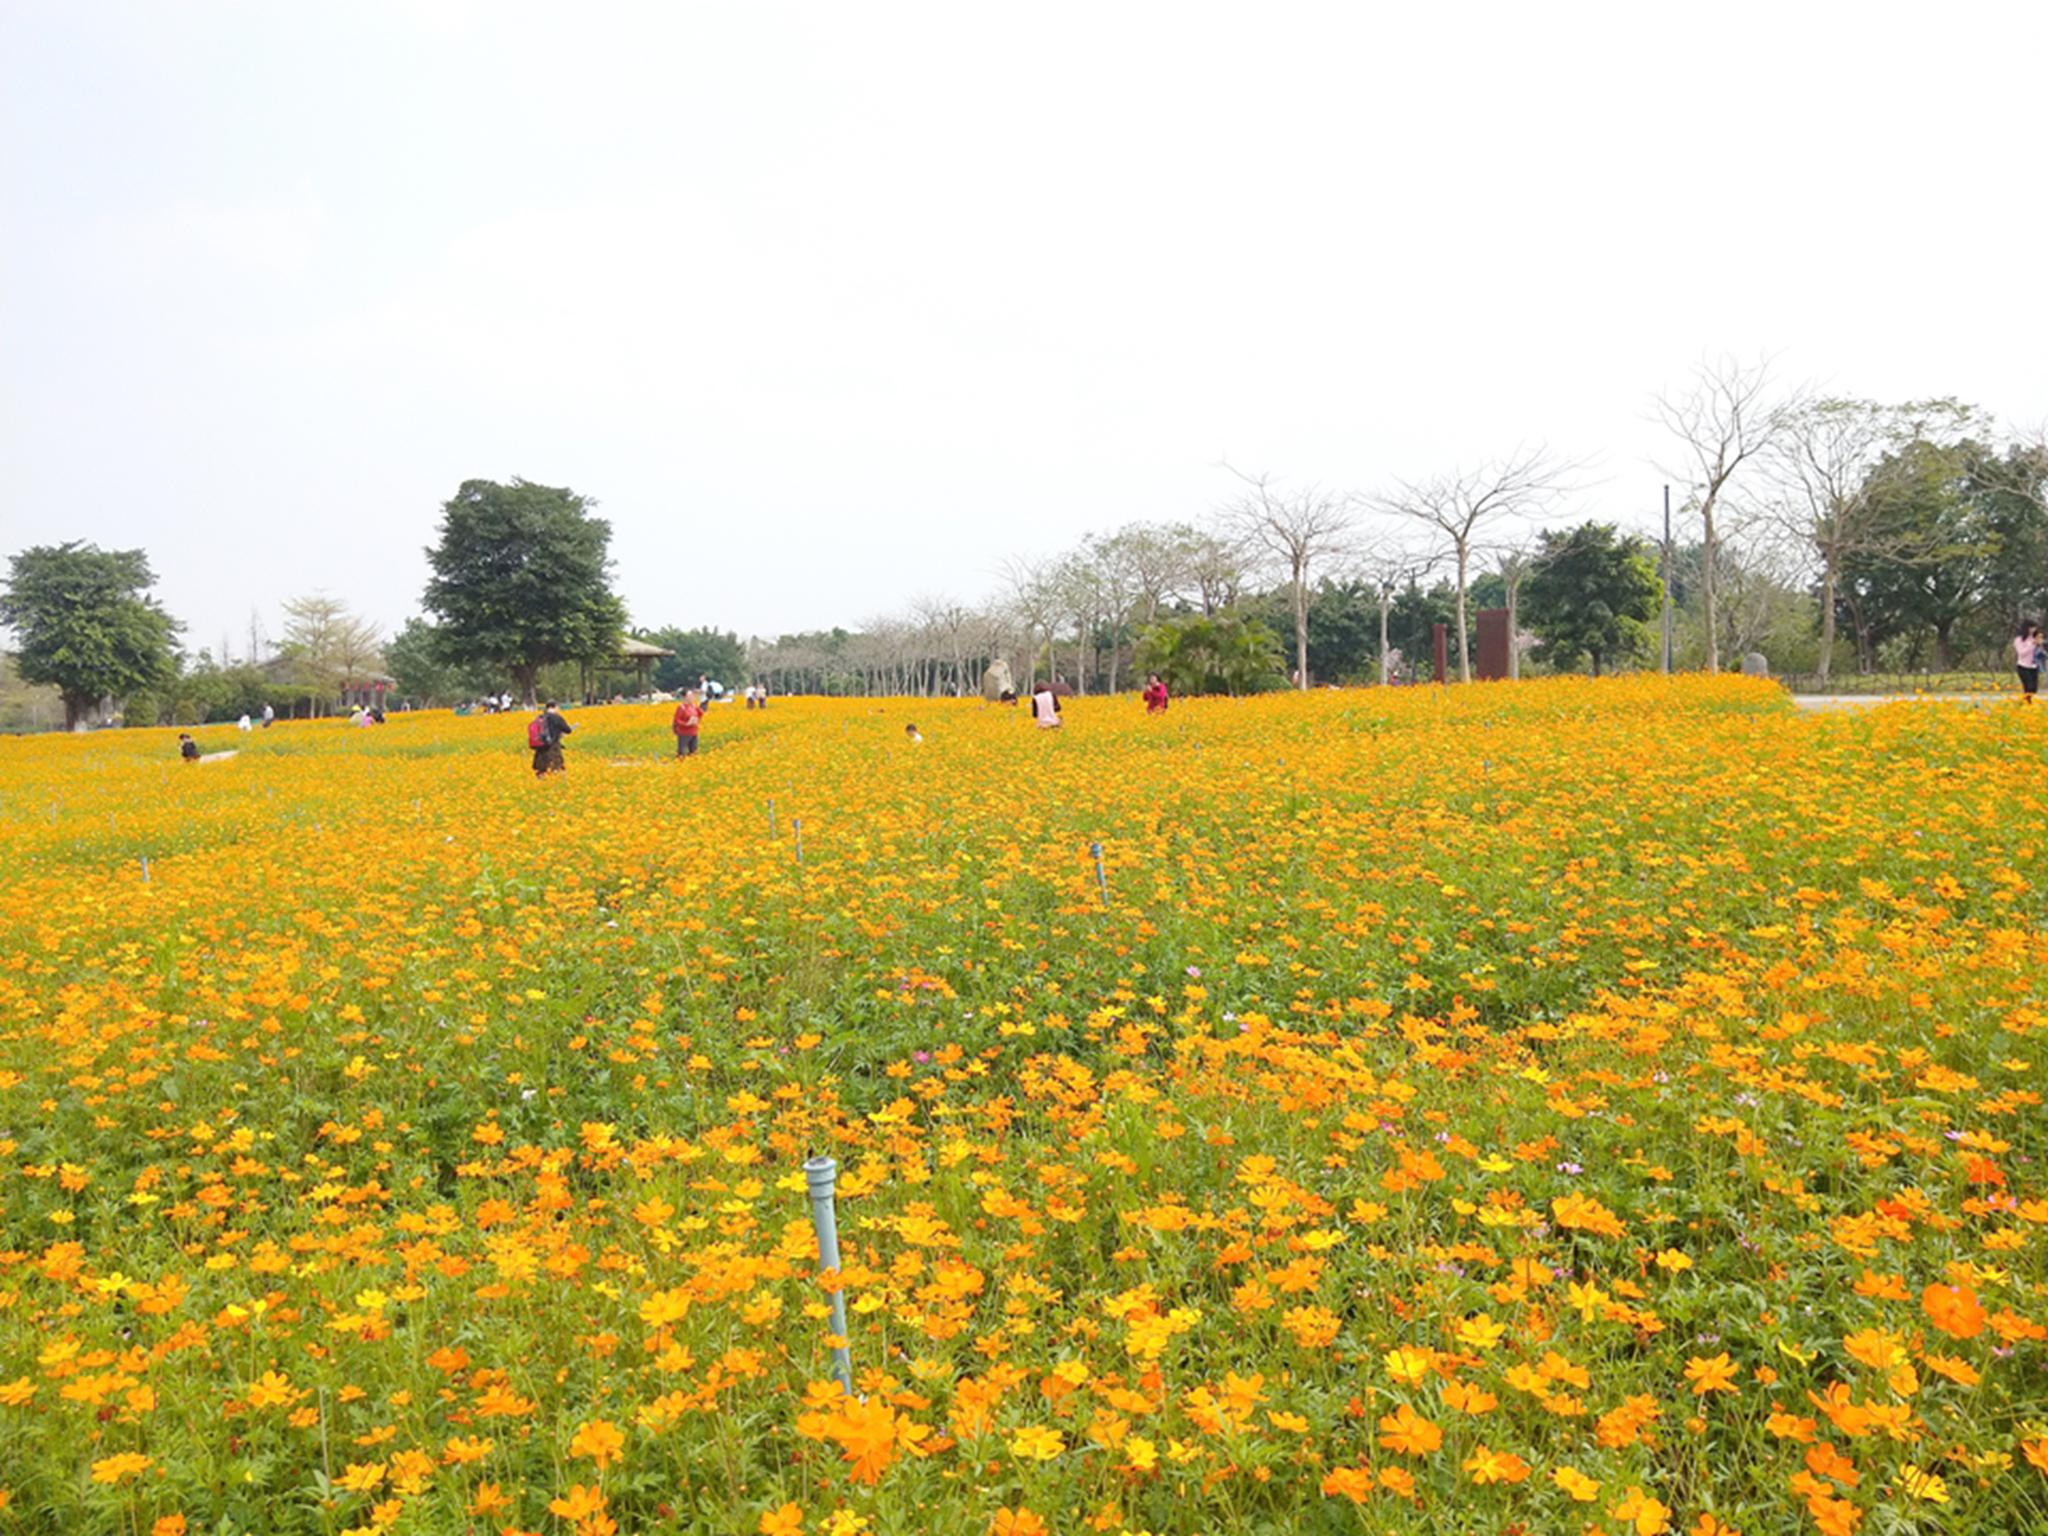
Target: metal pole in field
[
  {"x": 1101, "y": 879},
  {"x": 797, "y": 824},
  {"x": 1667, "y": 578},
  {"x": 820, "y": 1175}
]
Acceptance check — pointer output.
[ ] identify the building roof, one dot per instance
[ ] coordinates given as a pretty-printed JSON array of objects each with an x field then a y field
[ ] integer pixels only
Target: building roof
[{"x": 640, "y": 650}]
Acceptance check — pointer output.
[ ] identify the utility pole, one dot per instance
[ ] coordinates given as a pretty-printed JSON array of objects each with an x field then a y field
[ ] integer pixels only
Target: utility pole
[{"x": 1667, "y": 579}]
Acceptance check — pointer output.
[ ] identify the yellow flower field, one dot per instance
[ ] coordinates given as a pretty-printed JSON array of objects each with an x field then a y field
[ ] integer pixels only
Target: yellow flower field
[{"x": 1556, "y": 1107}]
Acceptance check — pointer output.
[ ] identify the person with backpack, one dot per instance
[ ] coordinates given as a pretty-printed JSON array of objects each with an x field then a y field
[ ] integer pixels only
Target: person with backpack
[
  {"x": 689, "y": 716},
  {"x": 544, "y": 733}
]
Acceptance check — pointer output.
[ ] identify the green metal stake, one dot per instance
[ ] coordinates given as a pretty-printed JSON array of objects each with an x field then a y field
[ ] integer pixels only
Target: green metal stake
[{"x": 820, "y": 1175}]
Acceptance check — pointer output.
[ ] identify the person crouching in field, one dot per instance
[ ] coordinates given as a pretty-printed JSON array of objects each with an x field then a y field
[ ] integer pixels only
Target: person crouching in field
[
  {"x": 1155, "y": 695},
  {"x": 689, "y": 716},
  {"x": 2027, "y": 647},
  {"x": 544, "y": 734},
  {"x": 1045, "y": 708}
]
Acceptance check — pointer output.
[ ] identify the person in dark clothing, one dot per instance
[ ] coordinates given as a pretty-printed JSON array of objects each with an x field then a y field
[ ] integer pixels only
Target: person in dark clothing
[
  {"x": 547, "y": 757},
  {"x": 188, "y": 749}
]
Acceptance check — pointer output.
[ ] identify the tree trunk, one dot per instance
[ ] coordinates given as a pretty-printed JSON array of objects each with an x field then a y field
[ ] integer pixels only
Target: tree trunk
[
  {"x": 1514, "y": 648},
  {"x": 77, "y": 708},
  {"x": 1301, "y": 625},
  {"x": 1827, "y": 621},
  {"x": 1866, "y": 651},
  {"x": 1385, "y": 669},
  {"x": 1708, "y": 544},
  {"x": 526, "y": 676},
  {"x": 1464, "y": 653},
  {"x": 1942, "y": 659}
]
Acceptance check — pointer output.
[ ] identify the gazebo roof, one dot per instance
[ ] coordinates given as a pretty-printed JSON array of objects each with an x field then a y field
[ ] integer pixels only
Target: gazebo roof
[{"x": 640, "y": 650}]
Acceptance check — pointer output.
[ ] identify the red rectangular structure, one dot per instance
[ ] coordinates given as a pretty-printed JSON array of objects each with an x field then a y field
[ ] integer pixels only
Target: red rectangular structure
[{"x": 1494, "y": 640}]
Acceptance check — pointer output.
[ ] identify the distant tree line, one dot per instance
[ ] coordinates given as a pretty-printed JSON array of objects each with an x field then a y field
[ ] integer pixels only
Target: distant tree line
[{"x": 1825, "y": 533}]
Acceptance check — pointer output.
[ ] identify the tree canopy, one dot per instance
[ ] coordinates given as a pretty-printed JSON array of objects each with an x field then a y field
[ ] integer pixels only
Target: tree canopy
[
  {"x": 1591, "y": 595},
  {"x": 1229, "y": 652},
  {"x": 84, "y": 626},
  {"x": 521, "y": 579},
  {"x": 698, "y": 653}
]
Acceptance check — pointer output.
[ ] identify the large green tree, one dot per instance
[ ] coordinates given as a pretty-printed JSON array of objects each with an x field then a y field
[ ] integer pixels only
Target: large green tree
[
  {"x": 1343, "y": 627},
  {"x": 1929, "y": 571},
  {"x": 417, "y": 659},
  {"x": 2010, "y": 493},
  {"x": 521, "y": 580},
  {"x": 710, "y": 653},
  {"x": 1591, "y": 595},
  {"x": 84, "y": 626}
]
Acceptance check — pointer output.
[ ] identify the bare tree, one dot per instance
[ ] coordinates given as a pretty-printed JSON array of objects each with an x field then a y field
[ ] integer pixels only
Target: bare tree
[
  {"x": 1723, "y": 419},
  {"x": 1823, "y": 456},
  {"x": 1463, "y": 504},
  {"x": 1296, "y": 530},
  {"x": 1160, "y": 561},
  {"x": 1756, "y": 590},
  {"x": 1517, "y": 561},
  {"x": 1216, "y": 570},
  {"x": 330, "y": 647},
  {"x": 1035, "y": 604},
  {"x": 949, "y": 623},
  {"x": 1127, "y": 565},
  {"x": 1387, "y": 568}
]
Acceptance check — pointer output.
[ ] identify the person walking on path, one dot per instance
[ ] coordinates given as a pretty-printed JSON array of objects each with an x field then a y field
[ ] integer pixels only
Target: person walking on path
[
  {"x": 689, "y": 716},
  {"x": 2027, "y": 647},
  {"x": 1155, "y": 695},
  {"x": 1045, "y": 708},
  {"x": 544, "y": 734}
]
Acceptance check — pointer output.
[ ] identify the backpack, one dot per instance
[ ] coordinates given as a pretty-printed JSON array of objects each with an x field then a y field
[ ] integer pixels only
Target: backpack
[{"x": 537, "y": 732}]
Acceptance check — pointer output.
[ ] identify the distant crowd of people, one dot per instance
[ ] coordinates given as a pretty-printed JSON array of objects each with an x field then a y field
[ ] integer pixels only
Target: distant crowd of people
[
  {"x": 549, "y": 727},
  {"x": 546, "y": 730}
]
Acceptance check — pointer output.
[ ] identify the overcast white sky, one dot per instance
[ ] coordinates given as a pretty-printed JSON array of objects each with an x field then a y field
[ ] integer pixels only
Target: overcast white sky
[{"x": 833, "y": 305}]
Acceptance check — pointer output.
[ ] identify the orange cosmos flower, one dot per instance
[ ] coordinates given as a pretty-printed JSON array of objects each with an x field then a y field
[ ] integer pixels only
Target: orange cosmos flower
[
  {"x": 1710, "y": 1375},
  {"x": 1407, "y": 1432},
  {"x": 1491, "y": 1466},
  {"x": 600, "y": 1440},
  {"x": 1954, "y": 1309}
]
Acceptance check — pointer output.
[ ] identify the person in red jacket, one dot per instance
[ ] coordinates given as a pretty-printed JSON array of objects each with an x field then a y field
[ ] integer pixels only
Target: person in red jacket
[
  {"x": 689, "y": 715},
  {"x": 1155, "y": 695}
]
